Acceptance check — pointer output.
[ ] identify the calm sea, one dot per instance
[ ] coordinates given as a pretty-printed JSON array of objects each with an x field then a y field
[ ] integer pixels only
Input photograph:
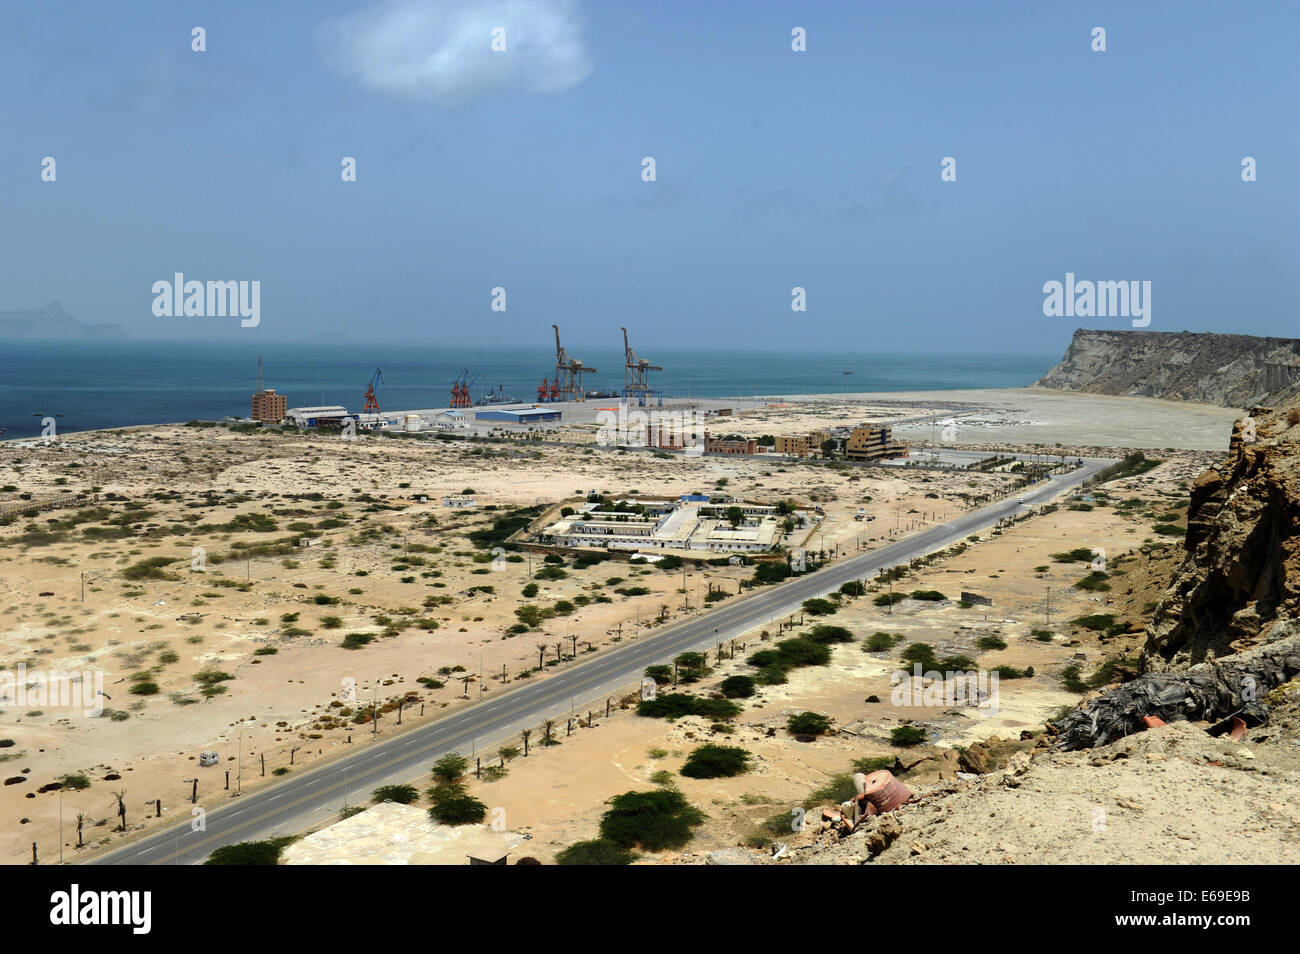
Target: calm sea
[{"x": 97, "y": 384}]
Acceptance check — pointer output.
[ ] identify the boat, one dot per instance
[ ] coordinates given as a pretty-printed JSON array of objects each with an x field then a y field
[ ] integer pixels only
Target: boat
[
  {"x": 846, "y": 372},
  {"x": 497, "y": 397}
]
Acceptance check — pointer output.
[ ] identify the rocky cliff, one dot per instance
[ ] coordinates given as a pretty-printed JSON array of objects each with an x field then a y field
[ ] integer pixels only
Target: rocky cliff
[
  {"x": 1228, "y": 370},
  {"x": 52, "y": 321},
  {"x": 1241, "y": 575}
]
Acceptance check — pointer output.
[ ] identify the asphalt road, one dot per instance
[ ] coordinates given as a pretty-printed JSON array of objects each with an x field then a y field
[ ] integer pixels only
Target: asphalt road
[{"x": 313, "y": 796}]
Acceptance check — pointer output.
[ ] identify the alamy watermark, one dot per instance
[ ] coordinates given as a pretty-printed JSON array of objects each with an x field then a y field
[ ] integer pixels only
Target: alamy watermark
[
  {"x": 193, "y": 299},
  {"x": 1085, "y": 299},
  {"x": 657, "y": 428},
  {"x": 977, "y": 688},
  {"x": 25, "y": 688}
]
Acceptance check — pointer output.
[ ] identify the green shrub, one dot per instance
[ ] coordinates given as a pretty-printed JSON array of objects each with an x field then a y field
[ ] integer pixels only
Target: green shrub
[
  {"x": 452, "y": 805},
  {"x": 906, "y": 735},
  {"x": 402, "y": 794},
  {"x": 1071, "y": 679},
  {"x": 738, "y": 687},
  {"x": 991, "y": 642},
  {"x": 808, "y": 723},
  {"x": 1094, "y": 581},
  {"x": 450, "y": 768},
  {"x": 653, "y": 821},
  {"x": 802, "y": 651},
  {"x": 716, "y": 761},
  {"x": 675, "y": 705},
  {"x": 819, "y": 607},
  {"x": 1096, "y": 621},
  {"x": 597, "y": 851},
  {"x": 823, "y": 633},
  {"x": 880, "y": 642},
  {"x": 249, "y": 852}
]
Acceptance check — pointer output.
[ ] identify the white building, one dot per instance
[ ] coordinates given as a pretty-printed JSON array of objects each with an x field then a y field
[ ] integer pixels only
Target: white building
[{"x": 685, "y": 524}]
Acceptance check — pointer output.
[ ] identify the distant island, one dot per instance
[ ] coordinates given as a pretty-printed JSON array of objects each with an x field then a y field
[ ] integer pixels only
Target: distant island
[{"x": 52, "y": 322}]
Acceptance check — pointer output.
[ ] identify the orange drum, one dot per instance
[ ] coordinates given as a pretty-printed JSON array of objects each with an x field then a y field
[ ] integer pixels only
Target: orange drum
[{"x": 885, "y": 792}]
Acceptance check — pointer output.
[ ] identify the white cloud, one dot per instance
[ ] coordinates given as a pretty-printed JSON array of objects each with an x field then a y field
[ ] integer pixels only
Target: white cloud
[{"x": 441, "y": 50}]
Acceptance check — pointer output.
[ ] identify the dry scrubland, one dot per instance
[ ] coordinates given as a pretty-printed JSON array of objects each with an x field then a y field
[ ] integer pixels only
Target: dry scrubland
[{"x": 257, "y": 645}]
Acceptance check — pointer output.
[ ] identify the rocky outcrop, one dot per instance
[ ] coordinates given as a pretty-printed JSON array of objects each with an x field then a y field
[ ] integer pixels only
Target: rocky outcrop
[
  {"x": 1211, "y": 692},
  {"x": 1241, "y": 572},
  {"x": 1227, "y": 370},
  {"x": 52, "y": 321}
]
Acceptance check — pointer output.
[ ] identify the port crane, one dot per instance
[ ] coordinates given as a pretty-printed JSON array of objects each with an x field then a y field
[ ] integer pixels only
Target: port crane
[
  {"x": 372, "y": 404},
  {"x": 569, "y": 371},
  {"x": 460, "y": 396},
  {"x": 636, "y": 374},
  {"x": 548, "y": 390}
]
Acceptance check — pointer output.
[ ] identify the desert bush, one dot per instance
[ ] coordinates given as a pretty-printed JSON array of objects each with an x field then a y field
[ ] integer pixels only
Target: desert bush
[
  {"x": 716, "y": 761},
  {"x": 738, "y": 687},
  {"x": 907, "y": 735},
  {"x": 808, "y": 723},
  {"x": 653, "y": 821}
]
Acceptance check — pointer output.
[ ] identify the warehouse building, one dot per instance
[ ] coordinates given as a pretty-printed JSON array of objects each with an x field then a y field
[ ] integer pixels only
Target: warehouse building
[
  {"x": 524, "y": 415},
  {"x": 327, "y": 415}
]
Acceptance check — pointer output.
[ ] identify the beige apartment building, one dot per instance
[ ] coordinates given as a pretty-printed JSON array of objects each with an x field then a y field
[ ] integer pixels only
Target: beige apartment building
[
  {"x": 874, "y": 442},
  {"x": 269, "y": 406}
]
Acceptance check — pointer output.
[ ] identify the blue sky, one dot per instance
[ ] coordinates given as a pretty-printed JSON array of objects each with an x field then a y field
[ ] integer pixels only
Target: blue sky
[{"x": 775, "y": 169}]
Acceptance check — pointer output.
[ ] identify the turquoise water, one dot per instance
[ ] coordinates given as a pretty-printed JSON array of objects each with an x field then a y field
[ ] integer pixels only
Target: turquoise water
[{"x": 95, "y": 384}]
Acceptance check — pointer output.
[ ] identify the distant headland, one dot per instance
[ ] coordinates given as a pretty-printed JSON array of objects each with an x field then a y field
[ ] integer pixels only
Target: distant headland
[{"x": 52, "y": 321}]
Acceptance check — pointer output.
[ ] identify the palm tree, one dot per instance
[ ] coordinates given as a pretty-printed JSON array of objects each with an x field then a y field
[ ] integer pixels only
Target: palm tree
[
  {"x": 525, "y": 734},
  {"x": 81, "y": 821},
  {"x": 548, "y": 726},
  {"x": 121, "y": 807},
  {"x": 541, "y": 655}
]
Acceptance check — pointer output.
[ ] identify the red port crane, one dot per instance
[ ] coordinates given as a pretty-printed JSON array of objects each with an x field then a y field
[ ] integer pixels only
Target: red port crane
[{"x": 372, "y": 404}]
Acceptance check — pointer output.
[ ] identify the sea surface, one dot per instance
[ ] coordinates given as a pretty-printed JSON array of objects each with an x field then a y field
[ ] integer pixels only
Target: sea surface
[{"x": 86, "y": 385}]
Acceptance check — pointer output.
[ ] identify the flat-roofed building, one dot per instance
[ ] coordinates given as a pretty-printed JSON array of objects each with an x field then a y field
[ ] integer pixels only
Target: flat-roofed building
[
  {"x": 327, "y": 415},
  {"x": 688, "y": 523},
  {"x": 874, "y": 442},
  {"x": 716, "y": 445},
  {"x": 268, "y": 406},
  {"x": 801, "y": 445}
]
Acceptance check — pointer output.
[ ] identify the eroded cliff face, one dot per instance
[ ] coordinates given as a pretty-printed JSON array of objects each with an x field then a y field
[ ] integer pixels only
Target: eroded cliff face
[
  {"x": 1242, "y": 569},
  {"x": 1227, "y": 370}
]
